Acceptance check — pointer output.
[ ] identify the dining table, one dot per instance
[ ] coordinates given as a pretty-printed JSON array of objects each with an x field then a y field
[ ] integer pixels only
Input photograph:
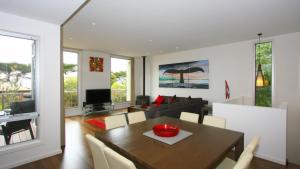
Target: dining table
[{"x": 205, "y": 148}]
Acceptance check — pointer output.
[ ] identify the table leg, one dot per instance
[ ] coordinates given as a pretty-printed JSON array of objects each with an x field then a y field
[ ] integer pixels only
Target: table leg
[{"x": 239, "y": 148}]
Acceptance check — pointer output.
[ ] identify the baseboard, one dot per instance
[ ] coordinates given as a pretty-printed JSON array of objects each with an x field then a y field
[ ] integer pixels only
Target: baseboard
[
  {"x": 269, "y": 158},
  {"x": 73, "y": 114},
  {"x": 31, "y": 159}
]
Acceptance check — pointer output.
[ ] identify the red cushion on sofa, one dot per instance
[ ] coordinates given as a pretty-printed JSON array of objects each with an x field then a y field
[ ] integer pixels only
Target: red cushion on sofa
[{"x": 159, "y": 100}]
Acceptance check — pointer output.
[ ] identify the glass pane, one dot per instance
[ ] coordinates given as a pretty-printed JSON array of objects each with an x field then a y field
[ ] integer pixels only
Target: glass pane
[
  {"x": 18, "y": 116},
  {"x": 120, "y": 80},
  {"x": 70, "y": 79},
  {"x": 263, "y": 95}
]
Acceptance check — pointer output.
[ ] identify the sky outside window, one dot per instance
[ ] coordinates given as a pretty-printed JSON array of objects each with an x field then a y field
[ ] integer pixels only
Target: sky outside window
[
  {"x": 16, "y": 50},
  {"x": 119, "y": 65}
]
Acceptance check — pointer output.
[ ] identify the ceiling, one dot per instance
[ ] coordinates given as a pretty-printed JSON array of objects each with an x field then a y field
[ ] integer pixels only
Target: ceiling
[
  {"x": 53, "y": 11},
  {"x": 151, "y": 27}
]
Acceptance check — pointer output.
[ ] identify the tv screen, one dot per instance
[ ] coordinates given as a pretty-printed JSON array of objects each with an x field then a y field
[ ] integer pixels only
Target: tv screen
[{"x": 97, "y": 96}]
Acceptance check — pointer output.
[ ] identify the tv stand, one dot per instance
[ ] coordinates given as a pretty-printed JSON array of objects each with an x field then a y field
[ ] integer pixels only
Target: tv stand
[{"x": 98, "y": 108}]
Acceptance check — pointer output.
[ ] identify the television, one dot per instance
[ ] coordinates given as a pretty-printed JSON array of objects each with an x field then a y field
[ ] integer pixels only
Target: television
[{"x": 98, "y": 96}]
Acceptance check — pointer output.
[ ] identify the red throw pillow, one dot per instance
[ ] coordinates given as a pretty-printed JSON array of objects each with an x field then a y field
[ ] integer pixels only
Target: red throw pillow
[{"x": 159, "y": 100}]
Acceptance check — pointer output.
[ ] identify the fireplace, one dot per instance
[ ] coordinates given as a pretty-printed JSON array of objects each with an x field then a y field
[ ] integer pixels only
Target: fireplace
[{"x": 143, "y": 99}]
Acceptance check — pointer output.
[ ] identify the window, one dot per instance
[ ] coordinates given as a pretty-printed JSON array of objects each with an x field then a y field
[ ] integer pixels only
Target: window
[
  {"x": 70, "y": 79},
  {"x": 263, "y": 56},
  {"x": 120, "y": 80},
  {"x": 18, "y": 115}
]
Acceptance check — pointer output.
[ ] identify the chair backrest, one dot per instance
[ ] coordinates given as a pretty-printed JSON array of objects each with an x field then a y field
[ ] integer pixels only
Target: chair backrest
[
  {"x": 214, "y": 121},
  {"x": 18, "y": 108},
  {"x": 244, "y": 161},
  {"x": 117, "y": 161},
  {"x": 191, "y": 117},
  {"x": 23, "y": 107},
  {"x": 97, "y": 148},
  {"x": 115, "y": 121},
  {"x": 136, "y": 117}
]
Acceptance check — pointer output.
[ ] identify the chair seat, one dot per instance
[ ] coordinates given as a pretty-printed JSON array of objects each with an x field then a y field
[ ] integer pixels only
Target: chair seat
[{"x": 227, "y": 163}]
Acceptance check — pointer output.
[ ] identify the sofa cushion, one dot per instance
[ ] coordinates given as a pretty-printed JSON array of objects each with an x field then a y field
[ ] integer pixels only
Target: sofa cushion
[
  {"x": 159, "y": 100},
  {"x": 171, "y": 99}
]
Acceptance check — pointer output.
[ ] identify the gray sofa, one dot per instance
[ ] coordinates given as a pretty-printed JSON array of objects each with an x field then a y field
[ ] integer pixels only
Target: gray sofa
[{"x": 174, "y": 109}]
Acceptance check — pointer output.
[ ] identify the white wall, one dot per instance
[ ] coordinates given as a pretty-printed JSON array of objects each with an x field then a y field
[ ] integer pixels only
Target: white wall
[
  {"x": 88, "y": 79},
  {"x": 48, "y": 142},
  {"x": 94, "y": 80},
  {"x": 231, "y": 62},
  {"x": 235, "y": 63},
  {"x": 268, "y": 123},
  {"x": 287, "y": 54}
]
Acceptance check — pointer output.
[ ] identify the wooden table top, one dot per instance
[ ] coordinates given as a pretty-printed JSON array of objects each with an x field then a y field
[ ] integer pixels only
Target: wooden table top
[{"x": 206, "y": 148}]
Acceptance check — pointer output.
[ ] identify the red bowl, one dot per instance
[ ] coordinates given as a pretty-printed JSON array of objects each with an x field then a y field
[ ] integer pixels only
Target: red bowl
[{"x": 165, "y": 130}]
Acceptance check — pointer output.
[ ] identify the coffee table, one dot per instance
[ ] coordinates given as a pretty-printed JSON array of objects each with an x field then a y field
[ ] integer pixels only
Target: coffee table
[{"x": 137, "y": 108}]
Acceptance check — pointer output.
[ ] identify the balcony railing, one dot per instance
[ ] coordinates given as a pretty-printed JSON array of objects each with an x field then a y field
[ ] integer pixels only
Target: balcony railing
[
  {"x": 6, "y": 98},
  {"x": 70, "y": 99},
  {"x": 118, "y": 95}
]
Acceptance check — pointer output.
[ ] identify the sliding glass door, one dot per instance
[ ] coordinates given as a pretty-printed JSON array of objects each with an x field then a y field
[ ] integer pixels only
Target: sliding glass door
[
  {"x": 70, "y": 79},
  {"x": 120, "y": 80}
]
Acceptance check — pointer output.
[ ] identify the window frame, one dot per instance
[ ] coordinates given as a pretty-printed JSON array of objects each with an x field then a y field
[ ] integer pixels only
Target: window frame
[
  {"x": 273, "y": 70},
  {"x": 77, "y": 109},
  {"x": 131, "y": 84},
  {"x": 37, "y": 94}
]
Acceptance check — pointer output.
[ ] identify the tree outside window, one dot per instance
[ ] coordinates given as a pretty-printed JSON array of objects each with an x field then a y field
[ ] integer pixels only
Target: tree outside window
[
  {"x": 263, "y": 56},
  {"x": 120, "y": 80},
  {"x": 70, "y": 79}
]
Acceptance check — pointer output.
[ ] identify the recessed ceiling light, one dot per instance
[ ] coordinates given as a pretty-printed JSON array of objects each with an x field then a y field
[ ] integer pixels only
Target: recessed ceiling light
[
  {"x": 93, "y": 23},
  {"x": 150, "y": 40}
]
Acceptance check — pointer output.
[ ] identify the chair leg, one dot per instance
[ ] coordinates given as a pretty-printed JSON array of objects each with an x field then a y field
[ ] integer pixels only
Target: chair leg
[
  {"x": 6, "y": 135},
  {"x": 31, "y": 132},
  {"x": 7, "y": 139}
]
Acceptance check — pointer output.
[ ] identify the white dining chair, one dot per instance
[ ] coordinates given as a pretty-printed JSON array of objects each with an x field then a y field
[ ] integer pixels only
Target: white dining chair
[
  {"x": 97, "y": 149},
  {"x": 252, "y": 145},
  {"x": 117, "y": 161},
  {"x": 115, "y": 121},
  {"x": 214, "y": 121},
  {"x": 136, "y": 117},
  {"x": 243, "y": 162},
  {"x": 190, "y": 117}
]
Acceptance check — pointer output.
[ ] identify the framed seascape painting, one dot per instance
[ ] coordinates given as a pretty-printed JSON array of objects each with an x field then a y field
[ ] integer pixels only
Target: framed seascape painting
[{"x": 192, "y": 74}]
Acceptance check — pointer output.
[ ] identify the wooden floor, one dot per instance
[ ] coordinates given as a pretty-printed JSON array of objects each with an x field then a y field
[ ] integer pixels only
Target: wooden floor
[{"x": 76, "y": 154}]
